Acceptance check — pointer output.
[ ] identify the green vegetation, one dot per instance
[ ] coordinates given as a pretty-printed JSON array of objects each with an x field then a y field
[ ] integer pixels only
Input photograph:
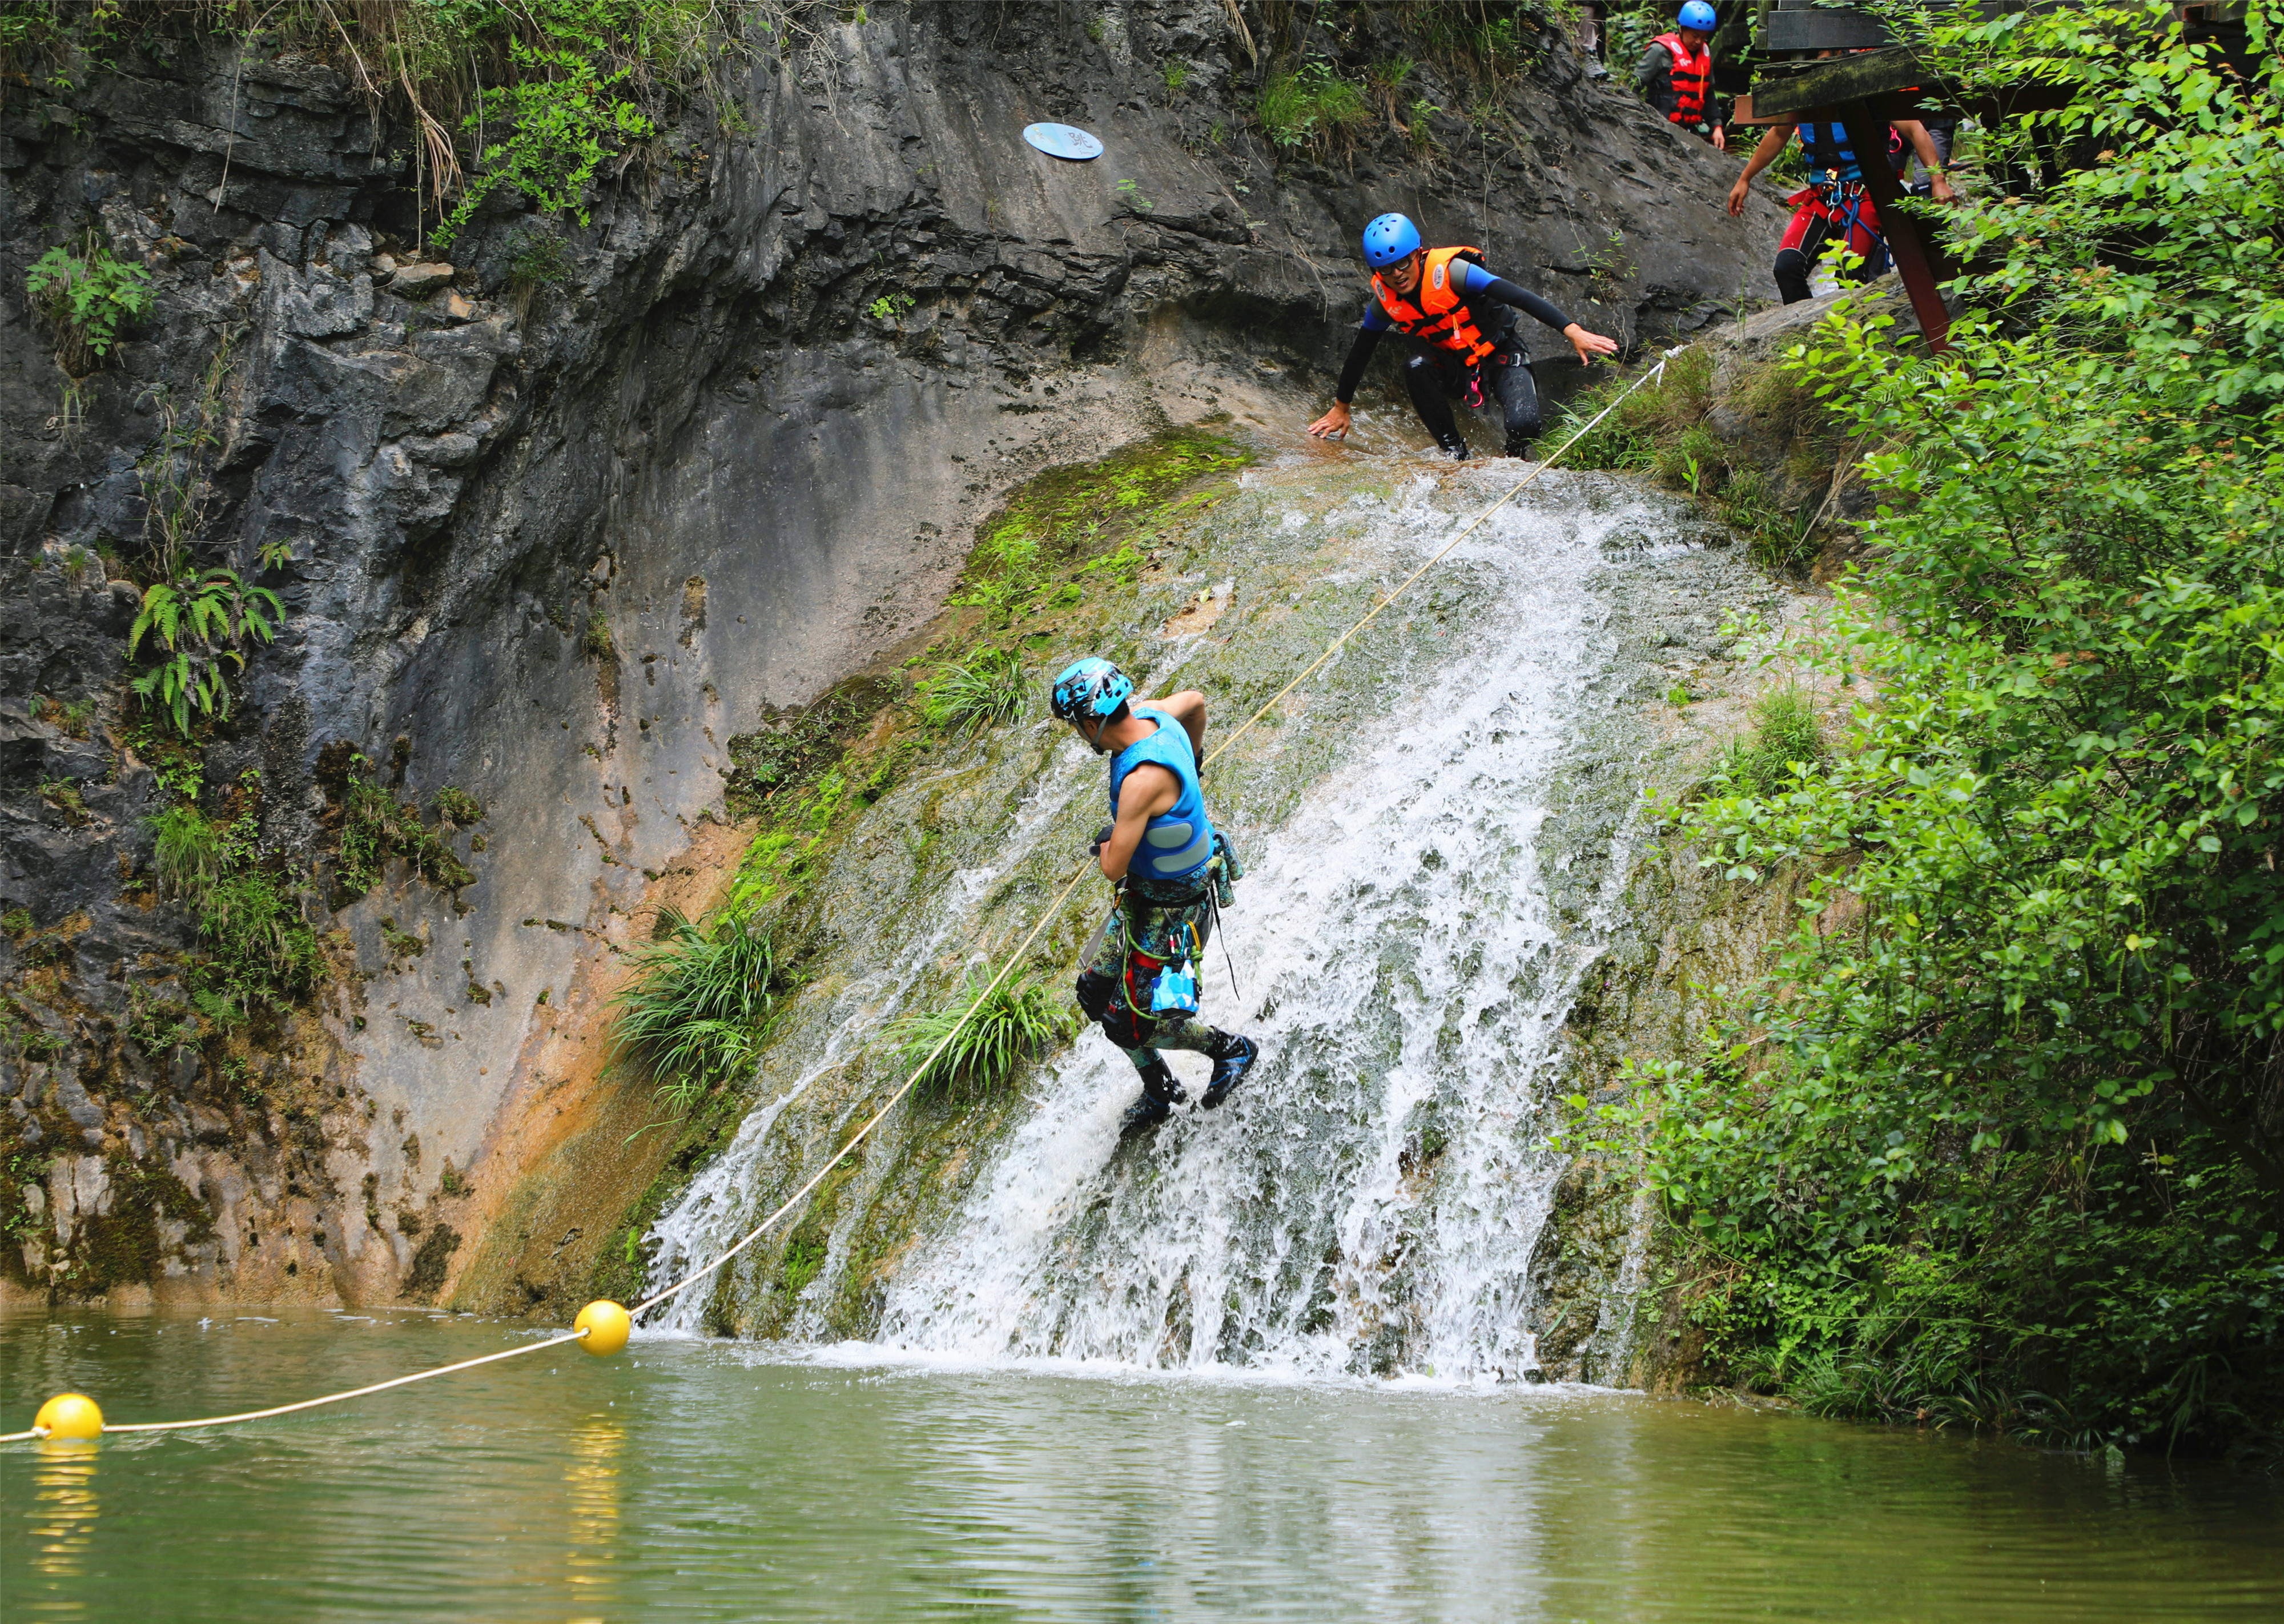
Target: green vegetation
[
  {"x": 1660, "y": 428},
  {"x": 1785, "y": 741},
  {"x": 1309, "y": 104},
  {"x": 528, "y": 97},
  {"x": 695, "y": 1014},
  {"x": 1996, "y": 1143},
  {"x": 85, "y": 301},
  {"x": 1016, "y": 1021},
  {"x": 204, "y": 622},
  {"x": 260, "y": 950},
  {"x": 188, "y": 852},
  {"x": 887, "y": 306},
  {"x": 374, "y": 826},
  {"x": 987, "y": 691}
]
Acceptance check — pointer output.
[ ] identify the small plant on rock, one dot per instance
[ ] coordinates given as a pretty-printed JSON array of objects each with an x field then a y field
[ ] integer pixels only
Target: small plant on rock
[
  {"x": 985, "y": 691},
  {"x": 694, "y": 1013},
  {"x": 86, "y": 300},
  {"x": 1308, "y": 104},
  {"x": 1017, "y": 1022},
  {"x": 187, "y": 853},
  {"x": 205, "y": 623}
]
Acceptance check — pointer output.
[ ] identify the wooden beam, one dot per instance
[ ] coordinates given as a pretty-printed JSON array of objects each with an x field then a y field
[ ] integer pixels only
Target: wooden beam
[
  {"x": 1867, "y": 138},
  {"x": 1786, "y": 97}
]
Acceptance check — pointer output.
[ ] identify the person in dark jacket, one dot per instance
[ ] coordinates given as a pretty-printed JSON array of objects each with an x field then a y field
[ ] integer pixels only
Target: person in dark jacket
[
  {"x": 1462, "y": 316},
  {"x": 1676, "y": 75}
]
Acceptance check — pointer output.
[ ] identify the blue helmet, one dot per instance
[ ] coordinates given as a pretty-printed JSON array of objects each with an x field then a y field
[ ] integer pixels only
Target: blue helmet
[
  {"x": 1696, "y": 14},
  {"x": 1392, "y": 238},
  {"x": 1089, "y": 688}
]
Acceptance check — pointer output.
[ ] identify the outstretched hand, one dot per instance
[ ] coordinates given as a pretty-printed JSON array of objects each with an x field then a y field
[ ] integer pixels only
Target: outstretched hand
[
  {"x": 1334, "y": 425},
  {"x": 1589, "y": 345},
  {"x": 1737, "y": 195}
]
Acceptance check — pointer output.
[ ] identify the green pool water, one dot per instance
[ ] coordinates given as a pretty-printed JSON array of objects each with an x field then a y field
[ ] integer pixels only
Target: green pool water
[{"x": 715, "y": 1480}]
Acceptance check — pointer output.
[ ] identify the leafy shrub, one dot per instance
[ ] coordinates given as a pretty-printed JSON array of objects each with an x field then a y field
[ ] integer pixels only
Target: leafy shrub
[
  {"x": 203, "y": 621},
  {"x": 2004, "y": 1144},
  {"x": 86, "y": 300},
  {"x": 1309, "y": 104},
  {"x": 987, "y": 691},
  {"x": 702, "y": 995},
  {"x": 565, "y": 114},
  {"x": 1017, "y": 1022}
]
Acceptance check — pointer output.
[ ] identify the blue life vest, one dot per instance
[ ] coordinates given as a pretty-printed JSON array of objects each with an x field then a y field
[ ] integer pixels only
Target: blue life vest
[
  {"x": 1178, "y": 842},
  {"x": 1828, "y": 149}
]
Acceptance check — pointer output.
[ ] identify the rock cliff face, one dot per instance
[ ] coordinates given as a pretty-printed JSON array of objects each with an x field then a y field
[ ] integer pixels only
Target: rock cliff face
[{"x": 568, "y": 514}]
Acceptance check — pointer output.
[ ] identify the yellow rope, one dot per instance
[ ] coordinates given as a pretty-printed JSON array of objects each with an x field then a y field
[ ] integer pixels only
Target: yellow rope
[{"x": 763, "y": 1228}]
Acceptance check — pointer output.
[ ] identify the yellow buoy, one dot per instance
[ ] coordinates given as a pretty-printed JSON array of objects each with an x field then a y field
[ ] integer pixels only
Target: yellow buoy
[
  {"x": 75, "y": 1416},
  {"x": 603, "y": 1327}
]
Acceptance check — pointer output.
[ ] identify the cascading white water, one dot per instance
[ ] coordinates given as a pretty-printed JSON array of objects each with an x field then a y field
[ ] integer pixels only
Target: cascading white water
[
  {"x": 1370, "y": 1199},
  {"x": 1435, "y": 834}
]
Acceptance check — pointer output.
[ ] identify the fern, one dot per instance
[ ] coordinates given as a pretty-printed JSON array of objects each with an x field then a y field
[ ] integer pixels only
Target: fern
[{"x": 202, "y": 622}]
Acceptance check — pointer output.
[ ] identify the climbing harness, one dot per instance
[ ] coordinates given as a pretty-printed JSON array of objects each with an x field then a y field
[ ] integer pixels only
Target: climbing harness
[{"x": 603, "y": 1327}]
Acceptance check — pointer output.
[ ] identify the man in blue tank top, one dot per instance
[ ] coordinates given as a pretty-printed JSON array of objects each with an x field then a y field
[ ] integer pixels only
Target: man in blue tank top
[{"x": 1161, "y": 850}]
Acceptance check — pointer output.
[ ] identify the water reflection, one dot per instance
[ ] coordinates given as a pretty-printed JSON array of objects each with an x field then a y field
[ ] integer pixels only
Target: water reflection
[
  {"x": 65, "y": 1507},
  {"x": 591, "y": 1481}
]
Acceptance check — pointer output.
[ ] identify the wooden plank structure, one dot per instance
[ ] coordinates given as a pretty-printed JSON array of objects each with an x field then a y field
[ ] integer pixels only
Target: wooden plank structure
[{"x": 1862, "y": 94}]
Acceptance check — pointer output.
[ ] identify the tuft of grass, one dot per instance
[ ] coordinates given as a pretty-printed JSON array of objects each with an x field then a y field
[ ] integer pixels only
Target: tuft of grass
[
  {"x": 1784, "y": 734},
  {"x": 457, "y": 808},
  {"x": 1695, "y": 462},
  {"x": 694, "y": 1013},
  {"x": 984, "y": 691},
  {"x": 597, "y": 640},
  {"x": 188, "y": 854},
  {"x": 1309, "y": 104},
  {"x": 1017, "y": 1022},
  {"x": 376, "y": 826}
]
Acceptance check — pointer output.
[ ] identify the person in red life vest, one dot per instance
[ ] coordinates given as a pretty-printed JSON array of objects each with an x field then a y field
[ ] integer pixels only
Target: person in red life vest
[
  {"x": 1676, "y": 75},
  {"x": 1834, "y": 206},
  {"x": 1463, "y": 318}
]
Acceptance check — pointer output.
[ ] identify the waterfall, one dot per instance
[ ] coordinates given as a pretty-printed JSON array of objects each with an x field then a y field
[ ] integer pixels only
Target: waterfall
[{"x": 1435, "y": 848}]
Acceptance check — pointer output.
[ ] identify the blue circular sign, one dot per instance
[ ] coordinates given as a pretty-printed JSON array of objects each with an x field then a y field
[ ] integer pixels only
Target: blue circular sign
[{"x": 1063, "y": 141}]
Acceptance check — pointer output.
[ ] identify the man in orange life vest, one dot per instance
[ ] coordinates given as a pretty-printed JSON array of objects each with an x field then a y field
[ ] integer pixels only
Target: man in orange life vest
[
  {"x": 1676, "y": 75},
  {"x": 1433, "y": 295}
]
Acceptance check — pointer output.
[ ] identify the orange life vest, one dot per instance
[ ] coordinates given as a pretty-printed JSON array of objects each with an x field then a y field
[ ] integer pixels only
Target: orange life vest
[
  {"x": 1439, "y": 316},
  {"x": 1692, "y": 77}
]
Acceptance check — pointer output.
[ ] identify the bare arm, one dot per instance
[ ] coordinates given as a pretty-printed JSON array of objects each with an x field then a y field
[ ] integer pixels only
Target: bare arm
[
  {"x": 1148, "y": 789},
  {"x": 1187, "y": 707},
  {"x": 1764, "y": 155},
  {"x": 1923, "y": 143}
]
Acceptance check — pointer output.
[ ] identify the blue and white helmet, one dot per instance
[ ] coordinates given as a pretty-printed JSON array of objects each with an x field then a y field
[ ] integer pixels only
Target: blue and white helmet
[
  {"x": 1092, "y": 688},
  {"x": 1698, "y": 15}
]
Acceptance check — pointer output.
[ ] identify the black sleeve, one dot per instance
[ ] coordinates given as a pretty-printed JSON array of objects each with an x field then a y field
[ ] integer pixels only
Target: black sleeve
[
  {"x": 1367, "y": 339},
  {"x": 1529, "y": 303}
]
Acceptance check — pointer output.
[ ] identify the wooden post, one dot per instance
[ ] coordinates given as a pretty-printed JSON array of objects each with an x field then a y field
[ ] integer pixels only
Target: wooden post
[{"x": 1867, "y": 137}]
